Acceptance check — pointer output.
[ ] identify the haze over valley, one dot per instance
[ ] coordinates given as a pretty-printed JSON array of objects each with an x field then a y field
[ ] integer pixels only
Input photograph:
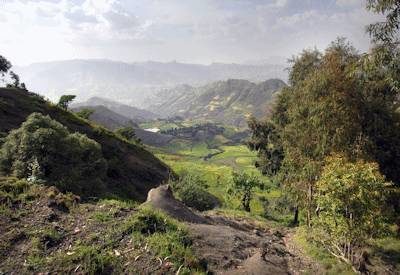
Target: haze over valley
[{"x": 200, "y": 137}]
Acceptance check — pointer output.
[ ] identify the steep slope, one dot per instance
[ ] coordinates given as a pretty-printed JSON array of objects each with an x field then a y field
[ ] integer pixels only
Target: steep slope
[
  {"x": 130, "y": 112},
  {"x": 132, "y": 82},
  {"x": 107, "y": 118},
  {"x": 223, "y": 101},
  {"x": 112, "y": 121},
  {"x": 132, "y": 171}
]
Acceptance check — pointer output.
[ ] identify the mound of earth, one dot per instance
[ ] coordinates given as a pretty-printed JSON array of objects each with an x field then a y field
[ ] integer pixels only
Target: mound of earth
[{"x": 162, "y": 198}]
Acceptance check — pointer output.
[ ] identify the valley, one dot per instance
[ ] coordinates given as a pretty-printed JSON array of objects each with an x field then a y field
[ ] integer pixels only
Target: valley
[{"x": 110, "y": 164}]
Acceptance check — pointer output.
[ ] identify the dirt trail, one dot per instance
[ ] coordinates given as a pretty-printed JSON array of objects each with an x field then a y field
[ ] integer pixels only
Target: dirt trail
[{"x": 236, "y": 246}]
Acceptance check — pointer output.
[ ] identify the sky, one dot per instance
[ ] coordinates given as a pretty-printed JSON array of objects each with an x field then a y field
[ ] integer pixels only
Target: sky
[{"x": 190, "y": 31}]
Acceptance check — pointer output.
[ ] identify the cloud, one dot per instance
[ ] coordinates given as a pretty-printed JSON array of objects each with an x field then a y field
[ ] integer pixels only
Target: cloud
[
  {"x": 191, "y": 30},
  {"x": 78, "y": 16}
]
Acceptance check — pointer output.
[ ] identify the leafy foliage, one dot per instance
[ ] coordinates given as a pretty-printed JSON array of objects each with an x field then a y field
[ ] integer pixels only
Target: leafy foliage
[
  {"x": 5, "y": 65},
  {"x": 244, "y": 184},
  {"x": 266, "y": 141},
  {"x": 351, "y": 198},
  {"x": 65, "y": 100},
  {"x": 338, "y": 102},
  {"x": 190, "y": 188},
  {"x": 44, "y": 148},
  {"x": 128, "y": 133},
  {"x": 386, "y": 31},
  {"x": 85, "y": 113}
]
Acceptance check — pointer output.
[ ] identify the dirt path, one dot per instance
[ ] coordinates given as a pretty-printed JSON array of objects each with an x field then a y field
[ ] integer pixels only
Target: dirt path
[
  {"x": 236, "y": 246},
  {"x": 239, "y": 247}
]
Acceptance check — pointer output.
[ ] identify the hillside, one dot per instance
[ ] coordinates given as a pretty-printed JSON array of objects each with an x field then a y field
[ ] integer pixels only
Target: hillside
[
  {"x": 113, "y": 120},
  {"x": 132, "y": 113},
  {"x": 132, "y": 170},
  {"x": 131, "y": 82},
  {"x": 223, "y": 101}
]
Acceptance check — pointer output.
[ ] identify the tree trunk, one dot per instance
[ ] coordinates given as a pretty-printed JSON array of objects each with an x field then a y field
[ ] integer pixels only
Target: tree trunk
[
  {"x": 296, "y": 216},
  {"x": 246, "y": 203}
]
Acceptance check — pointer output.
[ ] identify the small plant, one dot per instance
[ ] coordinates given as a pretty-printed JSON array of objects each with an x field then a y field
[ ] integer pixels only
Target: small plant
[
  {"x": 89, "y": 258},
  {"x": 243, "y": 185}
]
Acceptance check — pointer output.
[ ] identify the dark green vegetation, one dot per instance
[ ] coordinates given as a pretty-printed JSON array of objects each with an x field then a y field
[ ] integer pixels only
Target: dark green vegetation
[
  {"x": 244, "y": 185},
  {"x": 228, "y": 101},
  {"x": 333, "y": 142},
  {"x": 131, "y": 171},
  {"x": 44, "y": 230},
  {"x": 5, "y": 67},
  {"x": 191, "y": 190},
  {"x": 65, "y": 100},
  {"x": 42, "y": 150}
]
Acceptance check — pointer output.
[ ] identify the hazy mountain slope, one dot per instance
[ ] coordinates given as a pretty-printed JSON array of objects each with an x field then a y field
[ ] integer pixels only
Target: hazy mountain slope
[
  {"x": 135, "y": 114},
  {"x": 132, "y": 170},
  {"x": 132, "y": 82},
  {"x": 112, "y": 120},
  {"x": 223, "y": 101},
  {"x": 107, "y": 118}
]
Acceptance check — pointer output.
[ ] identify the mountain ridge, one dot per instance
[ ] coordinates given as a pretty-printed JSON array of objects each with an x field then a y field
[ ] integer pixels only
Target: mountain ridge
[
  {"x": 227, "y": 101},
  {"x": 132, "y": 83}
]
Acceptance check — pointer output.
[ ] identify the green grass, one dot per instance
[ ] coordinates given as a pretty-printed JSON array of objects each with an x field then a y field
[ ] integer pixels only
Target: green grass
[{"x": 182, "y": 156}]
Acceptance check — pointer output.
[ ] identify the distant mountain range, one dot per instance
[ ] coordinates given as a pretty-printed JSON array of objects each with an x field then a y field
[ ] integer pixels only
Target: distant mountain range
[
  {"x": 229, "y": 102},
  {"x": 132, "y": 83},
  {"x": 113, "y": 120}
]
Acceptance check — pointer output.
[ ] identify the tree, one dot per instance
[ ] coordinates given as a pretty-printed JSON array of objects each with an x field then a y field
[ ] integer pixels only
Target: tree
[
  {"x": 387, "y": 31},
  {"x": 43, "y": 149},
  {"x": 243, "y": 185},
  {"x": 266, "y": 141},
  {"x": 5, "y": 65},
  {"x": 65, "y": 100},
  {"x": 128, "y": 133},
  {"x": 85, "y": 113},
  {"x": 15, "y": 80},
  {"x": 351, "y": 199}
]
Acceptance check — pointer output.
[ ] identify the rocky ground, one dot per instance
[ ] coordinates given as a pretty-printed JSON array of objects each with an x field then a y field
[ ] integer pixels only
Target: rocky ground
[{"x": 236, "y": 246}]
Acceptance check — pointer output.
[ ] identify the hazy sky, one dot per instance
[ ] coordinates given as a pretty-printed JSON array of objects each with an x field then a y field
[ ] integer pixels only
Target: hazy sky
[{"x": 195, "y": 31}]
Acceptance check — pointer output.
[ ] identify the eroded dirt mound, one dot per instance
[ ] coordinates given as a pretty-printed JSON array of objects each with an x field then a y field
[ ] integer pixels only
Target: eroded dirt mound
[{"x": 163, "y": 199}]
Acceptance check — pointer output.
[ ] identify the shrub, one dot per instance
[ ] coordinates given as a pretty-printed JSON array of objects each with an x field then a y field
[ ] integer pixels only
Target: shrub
[
  {"x": 196, "y": 197},
  {"x": 350, "y": 199},
  {"x": 191, "y": 190},
  {"x": 243, "y": 185},
  {"x": 148, "y": 221},
  {"x": 43, "y": 150}
]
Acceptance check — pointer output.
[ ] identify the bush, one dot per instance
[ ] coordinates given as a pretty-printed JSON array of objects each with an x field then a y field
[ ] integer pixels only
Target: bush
[
  {"x": 243, "y": 185},
  {"x": 198, "y": 198},
  {"x": 191, "y": 190},
  {"x": 42, "y": 150},
  {"x": 351, "y": 201}
]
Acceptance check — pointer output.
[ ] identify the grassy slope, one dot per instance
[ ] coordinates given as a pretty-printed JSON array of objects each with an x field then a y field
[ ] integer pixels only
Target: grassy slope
[
  {"x": 44, "y": 231},
  {"x": 183, "y": 156},
  {"x": 132, "y": 170}
]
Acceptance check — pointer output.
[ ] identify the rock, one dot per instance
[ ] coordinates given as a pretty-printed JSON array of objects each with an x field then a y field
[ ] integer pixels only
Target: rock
[{"x": 162, "y": 198}]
